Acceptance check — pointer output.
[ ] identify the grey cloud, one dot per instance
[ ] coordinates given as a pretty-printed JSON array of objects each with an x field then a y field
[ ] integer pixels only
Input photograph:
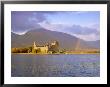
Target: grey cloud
[{"x": 22, "y": 21}]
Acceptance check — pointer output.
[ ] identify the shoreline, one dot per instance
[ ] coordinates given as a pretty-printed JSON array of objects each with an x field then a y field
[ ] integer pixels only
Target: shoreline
[{"x": 53, "y": 54}]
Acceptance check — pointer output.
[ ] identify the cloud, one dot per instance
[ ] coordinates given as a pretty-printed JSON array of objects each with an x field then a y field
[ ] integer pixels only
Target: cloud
[
  {"x": 84, "y": 33},
  {"x": 24, "y": 21},
  {"x": 77, "y": 29},
  {"x": 89, "y": 37},
  {"x": 95, "y": 26}
]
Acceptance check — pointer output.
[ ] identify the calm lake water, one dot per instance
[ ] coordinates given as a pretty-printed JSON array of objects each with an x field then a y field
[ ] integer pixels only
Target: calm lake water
[{"x": 83, "y": 65}]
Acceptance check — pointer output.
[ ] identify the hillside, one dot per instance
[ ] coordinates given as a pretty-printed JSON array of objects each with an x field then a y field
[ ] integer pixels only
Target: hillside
[{"x": 42, "y": 36}]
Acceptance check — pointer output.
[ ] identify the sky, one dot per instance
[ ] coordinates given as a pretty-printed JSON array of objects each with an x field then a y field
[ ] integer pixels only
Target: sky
[{"x": 82, "y": 24}]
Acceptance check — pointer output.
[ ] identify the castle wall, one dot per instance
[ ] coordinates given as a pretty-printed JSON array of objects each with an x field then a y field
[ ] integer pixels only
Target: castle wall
[{"x": 43, "y": 49}]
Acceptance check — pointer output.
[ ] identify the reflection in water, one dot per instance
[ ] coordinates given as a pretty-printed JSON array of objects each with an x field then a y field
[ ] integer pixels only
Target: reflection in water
[{"x": 55, "y": 65}]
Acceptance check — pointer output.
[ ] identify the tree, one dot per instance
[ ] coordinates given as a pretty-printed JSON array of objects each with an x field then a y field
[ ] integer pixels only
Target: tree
[{"x": 30, "y": 49}]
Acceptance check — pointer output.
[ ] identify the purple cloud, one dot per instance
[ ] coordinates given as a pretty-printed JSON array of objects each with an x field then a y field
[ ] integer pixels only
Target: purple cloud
[{"x": 23, "y": 21}]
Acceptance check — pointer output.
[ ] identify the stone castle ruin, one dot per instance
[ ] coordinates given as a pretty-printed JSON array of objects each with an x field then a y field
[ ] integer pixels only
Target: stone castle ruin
[{"x": 47, "y": 48}]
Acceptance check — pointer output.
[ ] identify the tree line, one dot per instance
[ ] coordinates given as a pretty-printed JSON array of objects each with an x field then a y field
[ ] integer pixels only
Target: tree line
[{"x": 21, "y": 50}]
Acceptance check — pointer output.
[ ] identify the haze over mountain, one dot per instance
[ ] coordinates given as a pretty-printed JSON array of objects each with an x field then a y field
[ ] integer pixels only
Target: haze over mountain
[
  {"x": 42, "y": 36},
  {"x": 90, "y": 33}
]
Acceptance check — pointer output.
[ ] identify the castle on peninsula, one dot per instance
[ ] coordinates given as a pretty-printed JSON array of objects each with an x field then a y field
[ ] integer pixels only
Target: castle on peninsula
[{"x": 47, "y": 48}]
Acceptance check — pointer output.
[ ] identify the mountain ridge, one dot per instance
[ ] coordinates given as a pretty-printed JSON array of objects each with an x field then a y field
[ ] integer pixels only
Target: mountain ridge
[{"x": 42, "y": 36}]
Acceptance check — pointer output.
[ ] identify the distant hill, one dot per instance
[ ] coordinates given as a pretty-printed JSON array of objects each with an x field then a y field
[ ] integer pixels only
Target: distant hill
[{"x": 42, "y": 36}]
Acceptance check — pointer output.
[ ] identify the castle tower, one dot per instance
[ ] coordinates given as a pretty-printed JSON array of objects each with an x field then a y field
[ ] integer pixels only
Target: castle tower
[{"x": 34, "y": 45}]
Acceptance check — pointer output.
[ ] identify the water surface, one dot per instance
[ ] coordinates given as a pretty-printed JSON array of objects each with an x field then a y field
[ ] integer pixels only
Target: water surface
[{"x": 29, "y": 65}]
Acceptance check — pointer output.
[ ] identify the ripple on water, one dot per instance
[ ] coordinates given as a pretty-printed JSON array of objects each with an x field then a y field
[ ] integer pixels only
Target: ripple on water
[{"x": 55, "y": 66}]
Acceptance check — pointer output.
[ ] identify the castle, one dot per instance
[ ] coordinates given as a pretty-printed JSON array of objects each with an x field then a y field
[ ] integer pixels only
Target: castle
[{"x": 47, "y": 48}]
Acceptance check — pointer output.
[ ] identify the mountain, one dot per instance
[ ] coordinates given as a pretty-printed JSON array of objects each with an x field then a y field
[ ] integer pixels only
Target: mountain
[{"x": 42, "y": 36}]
